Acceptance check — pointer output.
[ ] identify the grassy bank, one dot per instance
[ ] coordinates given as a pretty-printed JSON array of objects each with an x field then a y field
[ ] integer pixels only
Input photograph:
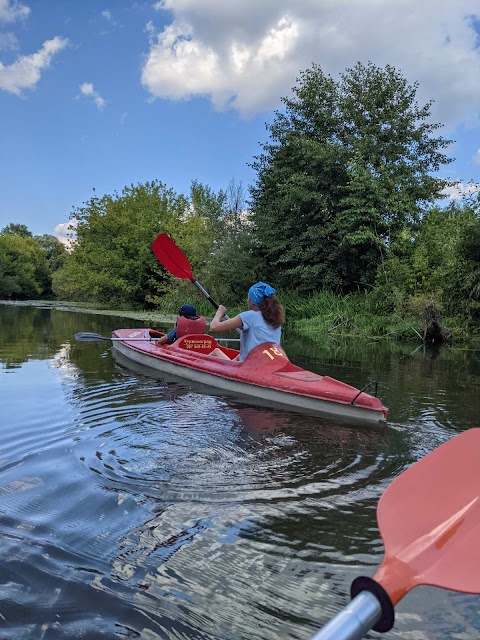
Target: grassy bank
[
  {"x": 362, "y": 315},
  {"x": 367, "y": 315}
]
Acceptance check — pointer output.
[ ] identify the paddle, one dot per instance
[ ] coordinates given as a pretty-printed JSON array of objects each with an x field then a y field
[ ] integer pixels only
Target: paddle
[
  {"x": 429, "y": 520},
  {"x": 167, "y": 252},
  {"x": 92, "y": 337}
]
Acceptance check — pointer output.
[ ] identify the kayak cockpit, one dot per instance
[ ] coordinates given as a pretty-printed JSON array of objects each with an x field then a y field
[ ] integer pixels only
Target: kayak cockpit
[{"x": 194, "y": 343}]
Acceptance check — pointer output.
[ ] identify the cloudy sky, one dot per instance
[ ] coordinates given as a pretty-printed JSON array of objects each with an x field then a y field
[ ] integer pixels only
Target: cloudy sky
[{"x": 103, "y": 94}]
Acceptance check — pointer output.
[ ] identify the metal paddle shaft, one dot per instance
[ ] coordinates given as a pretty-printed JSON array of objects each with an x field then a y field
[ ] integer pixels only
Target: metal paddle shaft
[
  {"x": 429, "y": 520},
  {"x": 354, "y": 621}
]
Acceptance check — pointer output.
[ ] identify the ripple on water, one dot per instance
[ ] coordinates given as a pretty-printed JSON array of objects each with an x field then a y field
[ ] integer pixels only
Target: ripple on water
[{"x": 147, "y": 509}]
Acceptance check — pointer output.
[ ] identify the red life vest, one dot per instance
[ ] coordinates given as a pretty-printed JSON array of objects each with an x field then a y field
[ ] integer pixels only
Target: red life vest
[{"x": 185, "y": 326}]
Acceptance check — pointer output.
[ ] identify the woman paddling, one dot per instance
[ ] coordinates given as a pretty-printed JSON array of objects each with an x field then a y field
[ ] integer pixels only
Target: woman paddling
[{"x": 261, "y": 323}]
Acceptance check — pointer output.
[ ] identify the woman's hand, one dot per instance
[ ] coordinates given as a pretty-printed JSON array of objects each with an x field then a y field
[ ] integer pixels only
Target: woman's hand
[{"x": 220, "y": 326}]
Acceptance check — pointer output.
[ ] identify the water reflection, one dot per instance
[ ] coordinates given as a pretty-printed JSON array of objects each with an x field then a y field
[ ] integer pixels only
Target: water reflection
[{"x": 142, "y": 507}]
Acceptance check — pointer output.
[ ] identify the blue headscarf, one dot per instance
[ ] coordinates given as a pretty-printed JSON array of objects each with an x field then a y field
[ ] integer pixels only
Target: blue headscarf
[{"x": 258, "y": 292}]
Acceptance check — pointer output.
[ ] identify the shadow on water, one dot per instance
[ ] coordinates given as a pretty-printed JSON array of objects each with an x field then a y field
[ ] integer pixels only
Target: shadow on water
[{"x": 144, "y": 507}]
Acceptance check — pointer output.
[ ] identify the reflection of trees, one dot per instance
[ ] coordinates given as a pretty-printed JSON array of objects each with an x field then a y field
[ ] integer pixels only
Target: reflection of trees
[{"x": 33, "y": 332}]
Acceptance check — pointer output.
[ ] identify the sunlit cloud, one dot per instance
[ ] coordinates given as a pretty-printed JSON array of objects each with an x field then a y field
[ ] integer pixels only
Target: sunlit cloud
[
  {"x": 26, "y": 71},
  {"x": 66, "y": 233},
  {"x": 246, "y": 55},
  {"x": 87, "y": 89},
  {"x": 106, "y": 14},
  {"x": 11, "y": 10},
  {"x": 460, "y": 190}
]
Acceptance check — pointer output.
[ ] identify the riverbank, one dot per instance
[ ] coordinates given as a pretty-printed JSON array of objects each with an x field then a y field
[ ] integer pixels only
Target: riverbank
[
  {"x": 323, "y": 314},
  {"x": 145, "y": 316}
]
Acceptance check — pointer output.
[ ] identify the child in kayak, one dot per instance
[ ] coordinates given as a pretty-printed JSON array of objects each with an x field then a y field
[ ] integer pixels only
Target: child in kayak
[
  {"x": 187, "y": 311},
  {"x": 262, "y": 322}
]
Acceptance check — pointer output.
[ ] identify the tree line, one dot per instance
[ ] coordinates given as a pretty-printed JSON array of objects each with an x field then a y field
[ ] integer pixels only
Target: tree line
[
  {"x": 347, "y": 199},
  {"x": 28, "y": 262}
]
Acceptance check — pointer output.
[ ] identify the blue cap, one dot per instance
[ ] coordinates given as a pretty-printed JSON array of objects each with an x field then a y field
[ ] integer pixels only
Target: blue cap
[
  {"x": 187, "y": 310},
  {"x": 258, "y": 292}
]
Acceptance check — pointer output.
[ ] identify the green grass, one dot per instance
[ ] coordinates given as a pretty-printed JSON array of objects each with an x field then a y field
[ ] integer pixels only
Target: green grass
[{"x": 364, "y": 315}]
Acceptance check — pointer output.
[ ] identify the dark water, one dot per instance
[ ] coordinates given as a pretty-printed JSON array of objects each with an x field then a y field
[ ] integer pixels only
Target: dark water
[{"x": 132, "y": 507}]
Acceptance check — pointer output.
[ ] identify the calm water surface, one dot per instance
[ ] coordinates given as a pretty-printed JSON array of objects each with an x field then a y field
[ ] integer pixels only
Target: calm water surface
[{"x": 134, "y": 507}]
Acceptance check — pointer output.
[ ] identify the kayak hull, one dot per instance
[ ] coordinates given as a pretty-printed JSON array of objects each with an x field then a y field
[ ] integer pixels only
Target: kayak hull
[{"x": 266, "y": 377}]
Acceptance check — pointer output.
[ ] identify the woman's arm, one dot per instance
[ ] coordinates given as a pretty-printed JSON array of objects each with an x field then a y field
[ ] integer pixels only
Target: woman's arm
[{"x": 218, "y": 325}]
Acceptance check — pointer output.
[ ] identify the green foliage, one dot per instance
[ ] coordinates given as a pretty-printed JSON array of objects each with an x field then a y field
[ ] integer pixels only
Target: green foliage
[
  {"x": 462, "y": 290},
  {"x": 233, "y": 262},
  {"x": 16, "y": 230},
  {"x": 112, "y": 261},
  {"x": 358, "y": 314},
  {"x": 348, "y": 167},
  {"x": 55, "y": 255},
  {"x": 22, "y": 267}
]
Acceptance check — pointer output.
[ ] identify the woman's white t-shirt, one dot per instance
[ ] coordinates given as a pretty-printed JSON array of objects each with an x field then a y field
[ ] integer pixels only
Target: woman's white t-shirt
[{"x": 255, "y": 331}]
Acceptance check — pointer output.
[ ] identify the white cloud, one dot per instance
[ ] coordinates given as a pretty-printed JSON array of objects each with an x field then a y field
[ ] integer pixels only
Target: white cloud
[
  {"x": 87, "y": 89},
  {"x": 8, "y": 41},
  {"x": 248, "y": 54},
  {"x": 107, "y": 14},
  {"x": 459, "y": 190},
  {"x": 476, "y": 157},
  {"x": 26, "y": 71},
  {"x": 66, "y": 233},
  {"x": 11, "y": 10}
]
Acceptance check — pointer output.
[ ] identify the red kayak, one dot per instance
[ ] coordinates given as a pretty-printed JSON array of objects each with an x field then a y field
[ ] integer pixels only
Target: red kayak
[{"x": 265, "y": 377}]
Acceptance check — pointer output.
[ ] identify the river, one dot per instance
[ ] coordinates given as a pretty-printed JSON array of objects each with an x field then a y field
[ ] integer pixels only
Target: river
[{"x": 136, "y": 507}]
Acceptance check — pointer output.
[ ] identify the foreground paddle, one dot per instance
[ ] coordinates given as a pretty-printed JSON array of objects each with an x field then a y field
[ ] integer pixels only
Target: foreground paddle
[{"x": 429, "y": 520}]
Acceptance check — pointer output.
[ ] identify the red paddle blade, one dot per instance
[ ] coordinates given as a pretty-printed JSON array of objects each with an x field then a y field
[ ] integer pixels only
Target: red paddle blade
[
  {"x": 171, "y": 257},
  {"x": 429, "y": 519}
]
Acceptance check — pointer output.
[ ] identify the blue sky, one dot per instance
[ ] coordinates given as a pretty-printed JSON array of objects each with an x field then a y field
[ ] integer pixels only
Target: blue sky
[{"x": 102, "y": 94}]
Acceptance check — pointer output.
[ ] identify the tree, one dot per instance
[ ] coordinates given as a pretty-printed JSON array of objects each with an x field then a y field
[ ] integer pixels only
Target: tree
[
  {"x": 233, "y": 265},
  {"x": 55, "y": 255},
  {"x": 16, "y": 230},
  {"x": 22, "y": 267},
  {"x": 112, "y": 261},
  {"x": 348, "y": 167}
]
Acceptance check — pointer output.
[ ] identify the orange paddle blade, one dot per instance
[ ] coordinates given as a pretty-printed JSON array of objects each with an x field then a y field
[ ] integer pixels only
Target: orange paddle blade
[
  {"x": 171, "y": 257},
  {"x": 429, "y": 519}
]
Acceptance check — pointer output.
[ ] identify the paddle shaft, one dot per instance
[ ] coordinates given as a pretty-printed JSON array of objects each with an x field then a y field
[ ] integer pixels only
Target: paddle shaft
[
  {"x": 207, "y": 295},
  {"x": 210, "y": 299},
  {"x": 354, "y": 620}
]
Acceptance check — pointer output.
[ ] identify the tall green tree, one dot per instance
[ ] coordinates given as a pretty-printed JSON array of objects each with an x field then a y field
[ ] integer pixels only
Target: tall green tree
[
  {"x": 22, "y": 267},
  {"x": 55, "y": 255},
  {"x": 17, "y": 230},
  {"x": 112, "y": 261},
  {"x": 349, "y": 165},
  {"x": 233, "y": 264}
]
